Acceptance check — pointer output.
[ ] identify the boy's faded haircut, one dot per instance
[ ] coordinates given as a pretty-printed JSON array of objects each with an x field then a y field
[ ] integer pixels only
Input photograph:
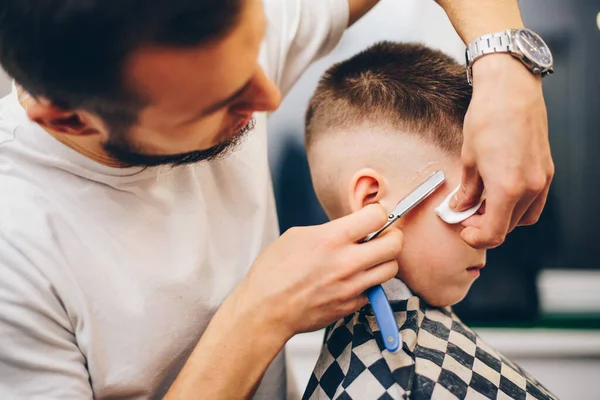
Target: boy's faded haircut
[{"x": 406, "y": 87}]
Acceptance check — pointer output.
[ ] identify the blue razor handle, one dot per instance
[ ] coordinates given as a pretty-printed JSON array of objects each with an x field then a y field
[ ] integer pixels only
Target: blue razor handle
[
  {"x": 384, "y": 315},
  {"x": 385, "y": 318}
]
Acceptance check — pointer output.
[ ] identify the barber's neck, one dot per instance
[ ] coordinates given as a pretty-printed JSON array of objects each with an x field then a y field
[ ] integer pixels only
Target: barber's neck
[{"x": 88, "y": 145}]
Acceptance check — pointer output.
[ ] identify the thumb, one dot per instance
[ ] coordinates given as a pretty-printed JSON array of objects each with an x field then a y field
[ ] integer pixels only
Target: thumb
[{"x": 471, "y": 189}]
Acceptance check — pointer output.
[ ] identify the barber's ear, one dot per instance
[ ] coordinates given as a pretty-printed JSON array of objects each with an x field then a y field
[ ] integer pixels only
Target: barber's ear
[
  {"x": 58, "y": 120},
  {"x": 367, "y": 187}
]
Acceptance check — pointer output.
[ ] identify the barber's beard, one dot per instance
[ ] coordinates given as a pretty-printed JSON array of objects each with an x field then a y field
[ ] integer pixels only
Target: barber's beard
[{"x": 125, "y": 152}]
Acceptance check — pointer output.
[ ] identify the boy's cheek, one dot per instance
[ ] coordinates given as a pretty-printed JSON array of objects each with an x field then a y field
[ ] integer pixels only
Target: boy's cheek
[
  {"x": 435, "y": 273},
  {"x": 411, "y": 275}
]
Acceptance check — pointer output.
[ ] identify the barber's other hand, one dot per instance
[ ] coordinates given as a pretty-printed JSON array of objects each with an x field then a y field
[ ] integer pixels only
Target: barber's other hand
[
  {"x": 312, "y": 276},
  {"x": 506, "y": 150}
]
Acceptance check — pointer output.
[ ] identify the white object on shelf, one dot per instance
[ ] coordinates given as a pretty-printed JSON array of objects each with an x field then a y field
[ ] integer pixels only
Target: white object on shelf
[
  {"x": 543, "y": 343},
  {"x": 563, "y": 291}
]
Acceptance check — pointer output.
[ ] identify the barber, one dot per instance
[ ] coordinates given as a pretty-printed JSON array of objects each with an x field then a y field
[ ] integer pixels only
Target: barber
[{"x": 139, "y": 249}]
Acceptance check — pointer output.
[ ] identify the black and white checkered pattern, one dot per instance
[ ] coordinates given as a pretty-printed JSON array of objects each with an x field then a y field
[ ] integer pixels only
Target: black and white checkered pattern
[{"x": 441, "y": 358}]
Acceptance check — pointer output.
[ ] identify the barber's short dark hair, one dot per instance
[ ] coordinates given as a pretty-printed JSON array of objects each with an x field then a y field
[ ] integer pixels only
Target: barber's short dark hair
[
  {"x": 402, "y": 86},
  {"x": 72, "y": 51}
]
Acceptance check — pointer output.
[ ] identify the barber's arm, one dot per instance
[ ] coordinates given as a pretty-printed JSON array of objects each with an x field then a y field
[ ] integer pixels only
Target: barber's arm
[
  {"x": 39, "y": 356},
  {"x": 358, "y": 8}
]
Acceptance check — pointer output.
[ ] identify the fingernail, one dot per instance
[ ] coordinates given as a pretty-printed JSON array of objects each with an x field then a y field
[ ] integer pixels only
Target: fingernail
[{"x": 454, "y": 201}]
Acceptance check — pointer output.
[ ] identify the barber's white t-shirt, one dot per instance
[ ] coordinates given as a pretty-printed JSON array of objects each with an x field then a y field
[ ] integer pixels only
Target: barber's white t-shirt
[{"x": 108, "y": 277}]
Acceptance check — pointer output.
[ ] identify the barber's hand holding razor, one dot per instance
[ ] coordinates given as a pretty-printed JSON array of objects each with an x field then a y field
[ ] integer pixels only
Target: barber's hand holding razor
[
  {"x": 306, "y": 280},
  {"x": 506, "y": 151},
  {"x": 312, "y": 276}
]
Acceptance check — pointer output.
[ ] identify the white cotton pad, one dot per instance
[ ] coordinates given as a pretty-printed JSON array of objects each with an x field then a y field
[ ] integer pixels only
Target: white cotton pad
[{"x": 450, "y": 216}]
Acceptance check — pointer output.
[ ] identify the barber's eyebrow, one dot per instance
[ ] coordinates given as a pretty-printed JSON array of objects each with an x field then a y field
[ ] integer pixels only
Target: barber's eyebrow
[{"x": 227, "y": 100}]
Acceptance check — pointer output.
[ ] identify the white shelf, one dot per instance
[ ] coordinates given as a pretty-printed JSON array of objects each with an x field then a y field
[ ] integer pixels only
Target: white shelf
[
  {"x": 563, "y": 291},
  {"x": 543, "y": 343}
]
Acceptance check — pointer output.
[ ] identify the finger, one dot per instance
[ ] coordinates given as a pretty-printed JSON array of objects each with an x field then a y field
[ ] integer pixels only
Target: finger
[
  {"x": 374, "y": 276},
  {"x": 355, "y": 304},
  {"x": 535, "y": 194},
  {"x": 481, "y": 209},
  {"x": 535, "y": 210},
  {"x": 471, "y": 189},
  {"x": 475, "y": 219},
  {"x": 354, "y": 227},
  {"x": 494, "y": 224},
  {"x": 385, "y": 248},
  {"x": 532, "y": 215},
  {"x": 520, "y": 209}
]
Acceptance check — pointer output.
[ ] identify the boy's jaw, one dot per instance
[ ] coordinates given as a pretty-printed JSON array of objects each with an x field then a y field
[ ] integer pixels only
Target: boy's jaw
[{"x": 440, "y": 288}]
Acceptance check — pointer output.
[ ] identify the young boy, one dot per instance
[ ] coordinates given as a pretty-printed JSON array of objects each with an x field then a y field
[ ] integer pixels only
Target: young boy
[{"x": 376, "y": 127}]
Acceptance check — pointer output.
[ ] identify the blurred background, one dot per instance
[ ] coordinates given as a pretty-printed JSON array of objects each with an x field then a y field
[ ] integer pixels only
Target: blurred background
[{"x": 538, "y": 300}]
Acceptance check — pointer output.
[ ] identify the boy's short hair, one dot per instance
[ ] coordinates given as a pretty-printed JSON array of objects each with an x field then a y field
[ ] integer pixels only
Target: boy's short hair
[{"x": 406, "y": 87}]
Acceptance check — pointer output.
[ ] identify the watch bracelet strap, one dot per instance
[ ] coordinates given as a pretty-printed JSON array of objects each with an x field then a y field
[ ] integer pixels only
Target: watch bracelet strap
[{"x": 499, "y": 42}]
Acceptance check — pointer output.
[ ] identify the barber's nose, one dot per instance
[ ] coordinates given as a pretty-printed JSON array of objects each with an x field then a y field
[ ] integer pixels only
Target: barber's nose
[{"x": 262, "y": 95}]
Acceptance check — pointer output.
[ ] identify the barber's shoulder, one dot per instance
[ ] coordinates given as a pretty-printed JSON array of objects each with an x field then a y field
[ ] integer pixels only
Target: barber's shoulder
[
  {"x": 7, "y": 131},
  {"x": 26, "y": 210},
  {"x": 278, "y": 12},
  {"x": 278, "y": 15}
]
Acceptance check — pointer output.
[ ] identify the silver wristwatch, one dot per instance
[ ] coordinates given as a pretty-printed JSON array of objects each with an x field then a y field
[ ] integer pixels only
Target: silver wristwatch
[{"x": 523, "y": 44}]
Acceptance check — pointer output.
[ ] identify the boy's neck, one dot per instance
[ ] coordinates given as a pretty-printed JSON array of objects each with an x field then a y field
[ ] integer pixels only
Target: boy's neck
[{"x": 395, "y": 289}]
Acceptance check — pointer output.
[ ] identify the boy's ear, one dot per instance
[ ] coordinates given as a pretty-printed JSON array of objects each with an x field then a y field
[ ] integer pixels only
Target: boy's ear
[
  {"x": 58, "y": 120},
  {"x": 367, "y": 187}
]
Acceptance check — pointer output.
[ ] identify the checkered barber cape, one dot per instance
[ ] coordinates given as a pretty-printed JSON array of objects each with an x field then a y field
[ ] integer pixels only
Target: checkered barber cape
[{"x": 441, "y": 358}]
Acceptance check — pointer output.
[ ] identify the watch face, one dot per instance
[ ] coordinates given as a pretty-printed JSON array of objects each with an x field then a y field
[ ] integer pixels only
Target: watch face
[{"x": 534, "y": 48}]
